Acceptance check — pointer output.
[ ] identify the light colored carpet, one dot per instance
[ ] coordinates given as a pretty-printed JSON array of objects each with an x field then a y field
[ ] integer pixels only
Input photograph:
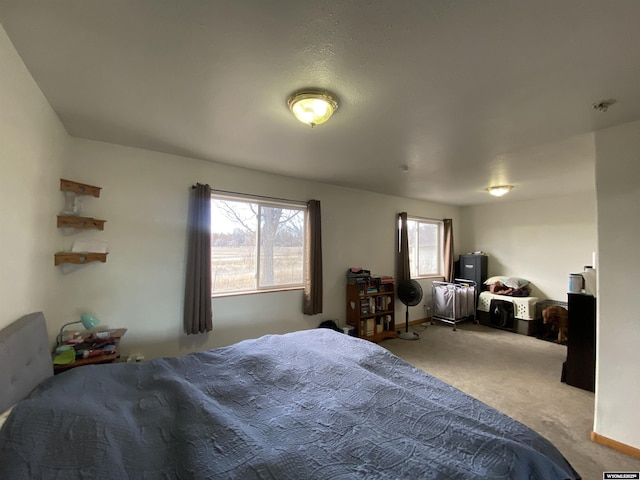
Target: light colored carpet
[{"x": 520, "y": 376}]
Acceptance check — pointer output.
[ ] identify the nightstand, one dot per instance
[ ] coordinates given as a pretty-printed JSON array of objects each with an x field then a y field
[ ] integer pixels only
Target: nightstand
[{"x": 114, "y": 339}]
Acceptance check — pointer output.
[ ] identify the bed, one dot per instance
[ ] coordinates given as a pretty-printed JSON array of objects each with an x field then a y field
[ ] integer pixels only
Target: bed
[
  {"x": 453, "y": 302},
  {"x": 313, "y": 404}
]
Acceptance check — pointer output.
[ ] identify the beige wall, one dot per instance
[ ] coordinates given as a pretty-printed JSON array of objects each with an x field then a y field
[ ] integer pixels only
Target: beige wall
[
  {"x": 618, "y": 184},
  {"x": 145, "y": 200},
  {"x": 542, "y": 240},
  {"x": 32, "y": 150}
]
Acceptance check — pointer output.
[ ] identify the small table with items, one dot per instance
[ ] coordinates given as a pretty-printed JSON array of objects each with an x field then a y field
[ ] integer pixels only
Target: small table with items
[{"x": 93, "y": 350}]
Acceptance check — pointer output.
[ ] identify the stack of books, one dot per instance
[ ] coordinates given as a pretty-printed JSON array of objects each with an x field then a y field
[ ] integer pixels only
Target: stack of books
[
  {"x": 367, "y": 327},
  {"x": 356, "y": 275}
]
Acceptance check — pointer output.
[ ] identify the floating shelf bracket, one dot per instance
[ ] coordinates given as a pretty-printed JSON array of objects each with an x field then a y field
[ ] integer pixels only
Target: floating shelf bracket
[
  {"x": 80, "y": 222},
  {"x": 79, "y": 258},
  {"x": 79, "y": 188}
]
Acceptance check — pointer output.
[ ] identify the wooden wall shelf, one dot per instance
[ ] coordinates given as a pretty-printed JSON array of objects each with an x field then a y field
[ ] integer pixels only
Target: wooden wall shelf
[
  {"x": 79, "y": 258},
  {"x": 83, "y": 223},
  {"x": 79, "y": 188},
  {"x": 80, "y": 222}
]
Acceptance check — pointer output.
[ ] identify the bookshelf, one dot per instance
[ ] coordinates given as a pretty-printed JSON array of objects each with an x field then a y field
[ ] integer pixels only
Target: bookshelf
[{"x": 371, "y": 309}]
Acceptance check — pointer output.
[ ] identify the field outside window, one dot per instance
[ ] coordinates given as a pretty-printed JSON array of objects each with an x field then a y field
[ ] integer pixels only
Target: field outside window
[{"x": 256, "y": 246}]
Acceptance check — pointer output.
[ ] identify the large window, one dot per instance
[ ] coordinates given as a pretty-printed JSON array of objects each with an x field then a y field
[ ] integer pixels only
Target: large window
[
  {"x": 425, "y": 247},
  {"x": 256, "y": 245}
]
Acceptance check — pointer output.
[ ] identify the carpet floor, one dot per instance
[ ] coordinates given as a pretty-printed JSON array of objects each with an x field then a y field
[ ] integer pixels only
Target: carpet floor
[{"x": 520, "y": 376}]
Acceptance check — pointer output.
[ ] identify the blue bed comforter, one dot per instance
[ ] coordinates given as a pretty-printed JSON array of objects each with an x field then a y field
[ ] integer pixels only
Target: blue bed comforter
[{"x": 314, "y": 404}]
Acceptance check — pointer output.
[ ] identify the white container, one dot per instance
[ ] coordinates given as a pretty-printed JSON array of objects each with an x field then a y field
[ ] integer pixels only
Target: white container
[
  {"x": 590, "y": 284},
  {"x": 575, "y": 282},
  {"x": 348, "y": 330}
]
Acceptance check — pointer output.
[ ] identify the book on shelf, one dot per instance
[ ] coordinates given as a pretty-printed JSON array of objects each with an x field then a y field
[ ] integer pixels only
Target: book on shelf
[
  {"x": 357, "y": 275},
  {"x": 367, "y": 327},
  {"x": 370, "y": 329},
  {"x": 357, "y": 281},
  {"x": 367, "y": 305},
  {"x": 383, "y": 303}
]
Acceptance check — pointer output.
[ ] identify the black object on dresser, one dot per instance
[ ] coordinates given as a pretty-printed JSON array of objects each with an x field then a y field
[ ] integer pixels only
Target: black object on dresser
[
  {"x": 580, "y": 368},
  {"x": 474, "y": 267}
]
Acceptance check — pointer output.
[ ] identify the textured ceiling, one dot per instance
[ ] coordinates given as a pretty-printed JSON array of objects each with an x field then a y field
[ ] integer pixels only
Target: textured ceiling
[{"x": 464, "y": 93}]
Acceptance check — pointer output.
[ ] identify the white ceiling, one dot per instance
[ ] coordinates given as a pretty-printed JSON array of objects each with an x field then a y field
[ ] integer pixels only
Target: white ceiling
[{"x": 464, "y": 93}]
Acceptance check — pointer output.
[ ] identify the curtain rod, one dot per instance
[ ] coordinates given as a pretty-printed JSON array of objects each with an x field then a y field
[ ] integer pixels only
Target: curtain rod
[
  {"x": 250, "y": 195},
  {"x": 423, "y": 218}
]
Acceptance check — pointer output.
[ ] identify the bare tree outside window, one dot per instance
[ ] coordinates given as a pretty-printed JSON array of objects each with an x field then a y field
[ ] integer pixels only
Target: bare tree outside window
[
  {"x": 256, "y": 246},
  {"x": 282, "y": 246}
]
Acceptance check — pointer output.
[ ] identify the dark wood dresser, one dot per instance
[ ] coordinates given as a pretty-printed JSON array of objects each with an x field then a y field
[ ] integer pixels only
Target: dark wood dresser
[{"x": 579, "y": 370}]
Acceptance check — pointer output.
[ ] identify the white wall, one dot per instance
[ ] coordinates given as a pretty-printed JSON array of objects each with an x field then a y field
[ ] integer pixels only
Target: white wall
[
  {"x": 32, "y": 150},
  {"x": 145, "y": 201},
  {"x": 618, "y": 185},
  {"x": 542, "y": 240}
]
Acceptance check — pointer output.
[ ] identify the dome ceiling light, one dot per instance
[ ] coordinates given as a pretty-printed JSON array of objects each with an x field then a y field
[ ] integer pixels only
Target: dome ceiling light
[
  {"x": 313, "y": 106},
  {"x": 499, "y": 190}
]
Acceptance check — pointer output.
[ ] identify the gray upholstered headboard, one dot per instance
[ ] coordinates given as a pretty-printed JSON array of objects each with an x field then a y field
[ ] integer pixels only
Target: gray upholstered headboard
[{"x": 25, "y": 359}]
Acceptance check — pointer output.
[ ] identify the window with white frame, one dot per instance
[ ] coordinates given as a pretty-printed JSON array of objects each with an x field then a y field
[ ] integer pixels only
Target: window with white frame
[
  {"x": 425, "y": 247},
  {"x": 256, "y": 245}
]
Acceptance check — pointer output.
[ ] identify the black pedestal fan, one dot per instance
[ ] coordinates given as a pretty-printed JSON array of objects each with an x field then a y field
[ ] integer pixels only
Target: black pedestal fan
[{"x": 409, "y": 293}]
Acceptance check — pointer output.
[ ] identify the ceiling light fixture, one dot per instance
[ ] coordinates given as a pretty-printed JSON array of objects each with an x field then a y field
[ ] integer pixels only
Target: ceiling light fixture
[
  {"x": 313, "y": 106},
  {"x": 499, "y": 190}
]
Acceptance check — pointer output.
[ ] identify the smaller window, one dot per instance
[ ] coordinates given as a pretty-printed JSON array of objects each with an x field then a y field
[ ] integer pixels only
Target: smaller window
[{"x": 425, "y": 247}]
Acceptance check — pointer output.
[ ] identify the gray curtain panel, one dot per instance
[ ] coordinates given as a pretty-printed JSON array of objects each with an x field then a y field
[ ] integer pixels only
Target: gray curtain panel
[
  {"x": 449, "y": 263},
  {"x": 198, "y": 316},
  {"x": 313, "y": 271},
  {"x": 402, "y": 261}
]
